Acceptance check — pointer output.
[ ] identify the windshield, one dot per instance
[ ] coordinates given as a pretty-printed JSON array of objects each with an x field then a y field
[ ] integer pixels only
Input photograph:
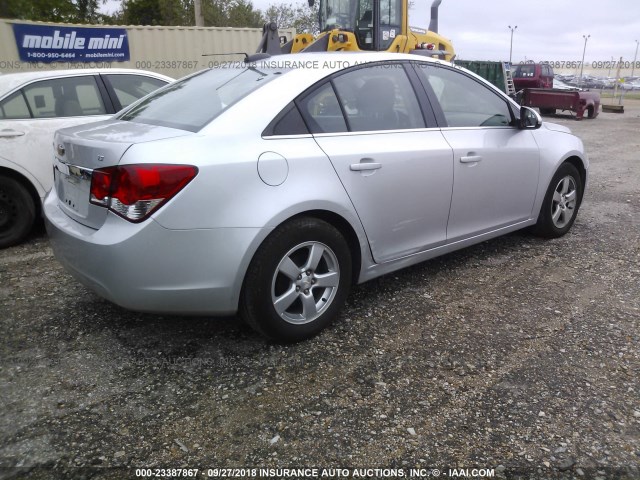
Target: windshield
[
  {"x": 193, "y": 102},
  {"x": 525, "y": 71},
  {"x": 337, "y": 14}
]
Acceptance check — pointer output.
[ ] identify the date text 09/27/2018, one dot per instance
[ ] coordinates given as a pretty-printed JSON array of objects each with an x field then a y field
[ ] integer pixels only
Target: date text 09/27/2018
[{"x": 601, "y": 64}]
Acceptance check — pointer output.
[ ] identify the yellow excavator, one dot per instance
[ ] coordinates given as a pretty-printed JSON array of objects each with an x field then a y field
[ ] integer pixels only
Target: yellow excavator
[{"x": 363, "y": 25}]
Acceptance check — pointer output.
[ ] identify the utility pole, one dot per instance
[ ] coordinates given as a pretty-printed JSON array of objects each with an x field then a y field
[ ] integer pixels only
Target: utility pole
[
  {"x": 586, "y": 37},
  {"x": 197, "y": 7},
  {"x": 511, "y": 47},
  {"x": 635, "y": 57},
  {"x": 610, "y": 65}
]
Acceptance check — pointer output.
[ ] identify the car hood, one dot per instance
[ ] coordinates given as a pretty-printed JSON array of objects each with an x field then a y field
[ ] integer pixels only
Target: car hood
[{"x": 555, "y": 127}]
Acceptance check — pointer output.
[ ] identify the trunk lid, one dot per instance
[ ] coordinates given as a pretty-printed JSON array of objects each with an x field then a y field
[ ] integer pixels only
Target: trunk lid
[{"x": 80, "y": 150}]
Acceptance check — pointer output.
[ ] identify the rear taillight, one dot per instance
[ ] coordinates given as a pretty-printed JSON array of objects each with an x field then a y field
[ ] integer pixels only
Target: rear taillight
[{"x": 135, "y": 191}]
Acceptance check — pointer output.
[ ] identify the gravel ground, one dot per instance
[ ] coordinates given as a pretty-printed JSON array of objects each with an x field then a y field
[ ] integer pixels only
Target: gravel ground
[{"x": 519, "y": 355}]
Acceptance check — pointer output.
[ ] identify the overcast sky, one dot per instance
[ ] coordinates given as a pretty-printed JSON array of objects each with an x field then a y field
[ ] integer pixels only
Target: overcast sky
[{"x": 547, "y": 29}]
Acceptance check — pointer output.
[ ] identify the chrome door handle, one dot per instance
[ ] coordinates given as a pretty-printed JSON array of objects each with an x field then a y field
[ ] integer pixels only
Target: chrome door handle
[
  {"x": 470, "y": 159},
  {"x": 359, "y": 167},
  {"x": 10, "y": 133}
]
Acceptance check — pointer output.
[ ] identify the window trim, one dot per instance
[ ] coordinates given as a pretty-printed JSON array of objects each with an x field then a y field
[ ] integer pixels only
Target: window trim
[{"x": 109, "y": 104}]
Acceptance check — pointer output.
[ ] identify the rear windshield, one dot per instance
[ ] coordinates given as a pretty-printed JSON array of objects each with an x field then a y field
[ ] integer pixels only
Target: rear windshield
[{"x": 192, "y": 103}]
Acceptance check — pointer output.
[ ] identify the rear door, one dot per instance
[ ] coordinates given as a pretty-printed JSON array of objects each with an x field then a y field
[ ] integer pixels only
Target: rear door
[
  {"x": 395, "y": 165},
  {"x": 496, "y": 165}
]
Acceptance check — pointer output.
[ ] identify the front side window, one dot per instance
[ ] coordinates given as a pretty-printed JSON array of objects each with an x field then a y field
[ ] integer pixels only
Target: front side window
[
  {"x": 193, "y": 102},
  {"x": 379, "y": 97},
  {"x": 14, "y": 107},
  {"x": 464, "y": 101},
  {"x": 65, "y": 97}
]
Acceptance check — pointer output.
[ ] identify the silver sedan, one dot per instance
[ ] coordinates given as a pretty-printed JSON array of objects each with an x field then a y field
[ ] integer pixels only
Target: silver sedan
[{"x": 269, "y": 189}]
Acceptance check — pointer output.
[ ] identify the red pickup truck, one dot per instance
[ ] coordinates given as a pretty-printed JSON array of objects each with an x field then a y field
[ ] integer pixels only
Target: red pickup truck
[{"x": 548, "y": 100}]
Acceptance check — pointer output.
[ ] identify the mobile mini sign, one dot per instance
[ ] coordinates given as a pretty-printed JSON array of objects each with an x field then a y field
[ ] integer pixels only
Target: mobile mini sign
[{"x": 46, "y": 44}]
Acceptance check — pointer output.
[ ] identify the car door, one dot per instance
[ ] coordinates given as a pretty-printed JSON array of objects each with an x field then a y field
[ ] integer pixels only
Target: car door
[
  {"x": 496, "y": 165},
  {"x": 45, "y": 106},
  {"x": 395, "y": 166}
]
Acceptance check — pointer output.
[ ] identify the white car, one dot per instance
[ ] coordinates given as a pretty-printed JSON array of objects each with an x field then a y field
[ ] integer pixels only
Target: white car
[
  {"x": 635, "y": 85},
  {"x": 33, "y": 105}
]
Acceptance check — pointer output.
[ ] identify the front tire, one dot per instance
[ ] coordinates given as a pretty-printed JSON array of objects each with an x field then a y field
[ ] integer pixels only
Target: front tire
[
  {"x": 561, "y": 203},
  {"x": 17, "y": 212},
  {"x": 297, "y": 281}
]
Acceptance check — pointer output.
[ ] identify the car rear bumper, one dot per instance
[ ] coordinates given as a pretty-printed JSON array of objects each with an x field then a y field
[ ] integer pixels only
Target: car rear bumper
[{"x": 149, "y": 268}]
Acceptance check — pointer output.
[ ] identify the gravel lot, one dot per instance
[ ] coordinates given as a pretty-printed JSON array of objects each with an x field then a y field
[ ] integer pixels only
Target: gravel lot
[{"x": 519, "y": 355}]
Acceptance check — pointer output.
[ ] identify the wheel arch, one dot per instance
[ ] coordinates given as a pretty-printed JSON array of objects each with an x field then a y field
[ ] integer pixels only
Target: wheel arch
[
  {"x": 27, "y": 184},
  {"x": 579, "y": 165},
  {"x": 345, "y": 229}
]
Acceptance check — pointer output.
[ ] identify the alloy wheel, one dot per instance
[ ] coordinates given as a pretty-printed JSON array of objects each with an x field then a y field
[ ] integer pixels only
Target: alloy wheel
[{"x": 305, "y": 282}]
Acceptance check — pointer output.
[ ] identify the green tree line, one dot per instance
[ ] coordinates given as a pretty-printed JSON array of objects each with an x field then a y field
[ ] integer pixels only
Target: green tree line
[{"x": 217, "y": 13}]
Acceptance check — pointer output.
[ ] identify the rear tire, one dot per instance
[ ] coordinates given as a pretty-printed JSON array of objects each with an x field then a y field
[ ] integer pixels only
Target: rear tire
[
  {"x": 297, "y": 281},
  {"x": 561, "y": 203},
  {"x": 17, "y": 212},
  {"x": 547, "y": 111}
]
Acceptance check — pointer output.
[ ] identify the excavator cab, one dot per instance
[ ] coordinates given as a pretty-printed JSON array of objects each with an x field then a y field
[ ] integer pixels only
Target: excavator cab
[{"x": 375, "y": 23}]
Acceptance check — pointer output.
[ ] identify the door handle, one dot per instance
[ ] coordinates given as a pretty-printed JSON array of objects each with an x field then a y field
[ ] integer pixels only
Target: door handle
[
  {"x": 360, "y": 167},
  {"x": 10, "y": 133},
  {"x": 470, "y": 159}
]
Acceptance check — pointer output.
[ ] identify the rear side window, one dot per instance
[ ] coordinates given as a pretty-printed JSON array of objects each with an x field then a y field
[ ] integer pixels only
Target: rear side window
[
  {"x": 65, "y": 97},
  {"x": 193, "y": 102},
  {"x": 372, "y": 98},
  {"x": 322, "y": 111},
  {"x": 14, "y": 107},
  {"x": 129, "y": 88},
  {"x": 379, "y": 98},
  {"x": 288, "y": 122}
]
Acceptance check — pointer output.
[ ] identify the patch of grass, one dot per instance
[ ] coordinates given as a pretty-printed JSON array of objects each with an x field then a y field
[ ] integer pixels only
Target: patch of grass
[{"x": 631, "y": 95}]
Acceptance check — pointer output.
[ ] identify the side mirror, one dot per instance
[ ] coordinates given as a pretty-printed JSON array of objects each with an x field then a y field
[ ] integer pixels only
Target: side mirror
[{"x": 529, "y": 119}]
